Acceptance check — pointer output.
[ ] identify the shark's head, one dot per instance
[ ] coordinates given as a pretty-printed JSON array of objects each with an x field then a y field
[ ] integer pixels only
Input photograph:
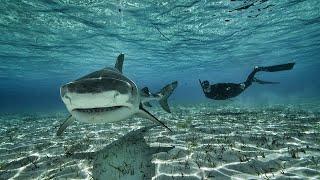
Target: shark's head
[{"x": 103, "y": 96}]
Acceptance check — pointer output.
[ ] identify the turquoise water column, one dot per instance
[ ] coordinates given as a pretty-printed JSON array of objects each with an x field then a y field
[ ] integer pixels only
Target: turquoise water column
[{"x": 119, "y": 26}]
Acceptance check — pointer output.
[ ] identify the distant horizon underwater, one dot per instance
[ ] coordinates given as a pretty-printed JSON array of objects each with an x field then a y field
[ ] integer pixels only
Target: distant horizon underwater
[{"x": 269, "y": 131}]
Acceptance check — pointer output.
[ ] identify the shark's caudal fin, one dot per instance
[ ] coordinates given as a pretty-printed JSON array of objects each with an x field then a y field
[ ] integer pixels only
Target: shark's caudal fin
[
  {"x": 263, "y": 82},
  {"x": 64, "y": 125},
  {"x": 165, "y": 93},
  {"x": 146, "y": 114},
  {"x": 275, "y": 68},
  {"x": 119, "y": 62}
]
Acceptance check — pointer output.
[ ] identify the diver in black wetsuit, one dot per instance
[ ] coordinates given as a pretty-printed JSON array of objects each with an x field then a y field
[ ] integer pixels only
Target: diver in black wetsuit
[{"x": 222, "y": 91}]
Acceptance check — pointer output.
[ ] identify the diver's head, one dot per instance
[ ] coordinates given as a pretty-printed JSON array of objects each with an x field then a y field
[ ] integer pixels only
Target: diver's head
[{"x": 205, "y": 86}]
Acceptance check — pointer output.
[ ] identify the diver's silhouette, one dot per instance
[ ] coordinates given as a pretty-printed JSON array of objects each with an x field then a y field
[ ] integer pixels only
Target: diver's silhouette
[{"x": 222, "y": 91}]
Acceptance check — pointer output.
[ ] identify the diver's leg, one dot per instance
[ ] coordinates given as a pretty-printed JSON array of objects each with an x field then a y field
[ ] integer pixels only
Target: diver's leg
[
  {"x": 250, "y": 78},
  {"x": 274, "y": 68}
]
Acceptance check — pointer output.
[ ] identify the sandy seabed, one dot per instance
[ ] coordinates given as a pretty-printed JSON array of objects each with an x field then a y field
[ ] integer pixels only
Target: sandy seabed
[{"x": 210, "y": 142}]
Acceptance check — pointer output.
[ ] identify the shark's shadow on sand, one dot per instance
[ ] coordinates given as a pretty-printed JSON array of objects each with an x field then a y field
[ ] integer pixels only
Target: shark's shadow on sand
[{"x": 127, "y": 158}]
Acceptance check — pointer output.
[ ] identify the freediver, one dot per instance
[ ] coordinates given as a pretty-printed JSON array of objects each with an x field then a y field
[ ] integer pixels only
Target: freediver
[{"x": 223, "y": 91}]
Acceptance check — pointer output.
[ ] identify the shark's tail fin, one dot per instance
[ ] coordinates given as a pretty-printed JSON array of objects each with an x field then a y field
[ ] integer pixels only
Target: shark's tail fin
[
  {"x": 165, "y": 93},
  {"x": 263, "y": 82}
]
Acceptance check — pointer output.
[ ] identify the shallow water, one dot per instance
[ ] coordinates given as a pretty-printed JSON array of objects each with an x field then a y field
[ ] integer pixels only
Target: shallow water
[
  {"x": 210, "y": 142},
  {"x": 267, "y": 132},
  {"x": 45, "y": 44}
]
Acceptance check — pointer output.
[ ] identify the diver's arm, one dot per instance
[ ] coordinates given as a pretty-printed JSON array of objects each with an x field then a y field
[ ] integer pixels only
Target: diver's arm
[
  {"x": 202, "y": 87},
  {"x": 200, "y": 83}
]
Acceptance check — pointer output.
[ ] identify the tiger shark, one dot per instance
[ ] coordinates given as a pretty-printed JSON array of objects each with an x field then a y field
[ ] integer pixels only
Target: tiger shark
[{"x": 107, "y": 95}]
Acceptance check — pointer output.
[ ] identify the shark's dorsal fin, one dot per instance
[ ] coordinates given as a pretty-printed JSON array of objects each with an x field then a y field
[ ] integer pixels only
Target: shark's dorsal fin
[{"x": 119, "y": 62}]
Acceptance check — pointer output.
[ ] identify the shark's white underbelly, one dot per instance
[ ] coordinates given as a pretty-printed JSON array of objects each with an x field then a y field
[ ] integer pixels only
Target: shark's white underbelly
[{"x": 96, "y": 100}]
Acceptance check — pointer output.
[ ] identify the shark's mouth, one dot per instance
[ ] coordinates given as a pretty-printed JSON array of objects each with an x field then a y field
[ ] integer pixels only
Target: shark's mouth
[{"x": 98, "y": 109}]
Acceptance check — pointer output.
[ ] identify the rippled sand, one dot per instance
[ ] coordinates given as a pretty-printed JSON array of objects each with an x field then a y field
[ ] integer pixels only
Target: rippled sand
[{"x": 274, "y": 142}]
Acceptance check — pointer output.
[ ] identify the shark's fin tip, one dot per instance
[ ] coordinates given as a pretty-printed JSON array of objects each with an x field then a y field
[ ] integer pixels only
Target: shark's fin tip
[
  {"x": 64, "y": 125},
  {"x": 146, "y": 114},
  {"x": 119, "y": 62}
]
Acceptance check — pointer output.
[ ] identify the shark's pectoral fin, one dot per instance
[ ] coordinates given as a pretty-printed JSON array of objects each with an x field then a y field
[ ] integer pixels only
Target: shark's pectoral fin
[
  {"x": 119, "y": 62},
  {"x": 145, "y": 114},
  {"x": 147, "y": 104},
  {"x": 65, "y": 124}
]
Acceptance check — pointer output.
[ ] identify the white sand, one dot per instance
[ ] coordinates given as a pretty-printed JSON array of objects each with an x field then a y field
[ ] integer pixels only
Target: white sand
[{"x": 250, "y": 143}]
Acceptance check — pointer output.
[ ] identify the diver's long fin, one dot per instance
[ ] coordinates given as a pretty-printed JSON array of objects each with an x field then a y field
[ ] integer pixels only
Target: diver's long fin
[
  {"x": 146, "y": 114},
  {"x": 165, "y": 93},
  {"x": 65, "y": 124},
  {"x": 275, "y": 68},
  {"x": 119, "y": 62},
  {"x": 264, "y": 82}
]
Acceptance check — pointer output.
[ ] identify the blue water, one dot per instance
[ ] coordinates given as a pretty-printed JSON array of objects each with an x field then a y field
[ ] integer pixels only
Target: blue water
[
  {"x": 268, "y": 131},
  {"x": 45, "y": 44}
]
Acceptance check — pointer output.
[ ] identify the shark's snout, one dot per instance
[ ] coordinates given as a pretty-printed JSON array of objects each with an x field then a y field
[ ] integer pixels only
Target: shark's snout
[
  {"x": 96, "y": 102},
  {"x": 97, "y": 94}
]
